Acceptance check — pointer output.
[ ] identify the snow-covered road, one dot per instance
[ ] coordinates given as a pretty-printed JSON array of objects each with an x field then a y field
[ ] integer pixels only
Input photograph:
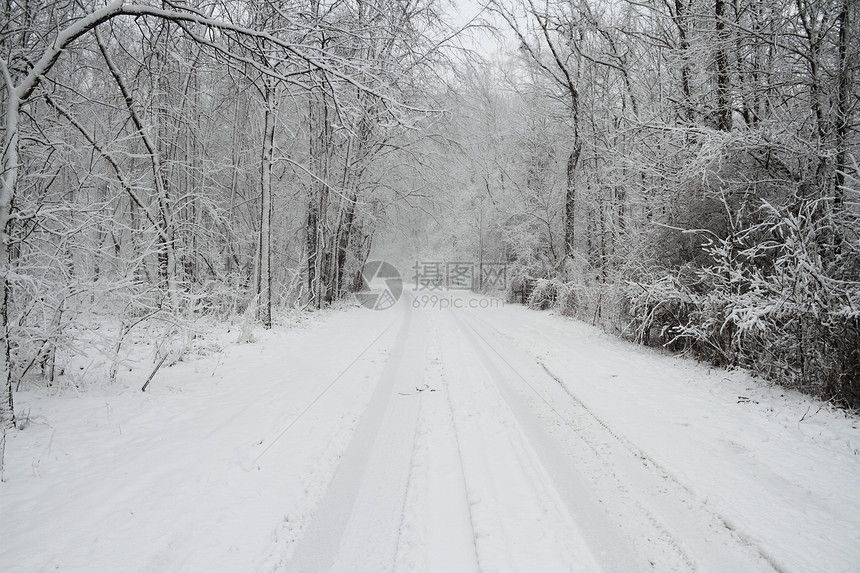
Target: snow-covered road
[{"x": 420, "y": 439}]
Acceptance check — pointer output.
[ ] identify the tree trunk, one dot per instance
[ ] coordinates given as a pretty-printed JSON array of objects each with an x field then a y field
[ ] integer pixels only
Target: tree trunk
[
  {"x": 343, "y": 242},
  {"x": 684, "y": 43},
  {"x": 843, "y": 104},
  {"x": 724, "y": 105},
  {"x": 264, "y": 286},
  {"x": 311, "y": 223},
  {"x": 234, "y": 186},
  {"x": 319, "y": 281},
  {"x": 570, "y": 201},
  {"x": 7, "y": 191}
]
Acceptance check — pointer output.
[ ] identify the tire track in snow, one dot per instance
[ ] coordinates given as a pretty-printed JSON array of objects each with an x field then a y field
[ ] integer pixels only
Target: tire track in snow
[
  {"x": 356, "y": 526},
  {"x": 437, "y": 534},
  {"x": 682, "y": 492},
  {"x": 337, "y": 423},
  {"x": 701, "y": 537},
  {"x": 520, "y": 522},
  {"x": 268, "y": 442}
]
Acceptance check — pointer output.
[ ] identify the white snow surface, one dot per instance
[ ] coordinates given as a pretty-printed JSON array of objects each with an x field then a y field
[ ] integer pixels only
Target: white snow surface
[{"x": 430, "y": 440}]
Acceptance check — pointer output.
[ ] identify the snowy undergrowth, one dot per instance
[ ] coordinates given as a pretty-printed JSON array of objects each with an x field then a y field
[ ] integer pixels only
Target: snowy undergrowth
[{"x": 105, "y": 352}]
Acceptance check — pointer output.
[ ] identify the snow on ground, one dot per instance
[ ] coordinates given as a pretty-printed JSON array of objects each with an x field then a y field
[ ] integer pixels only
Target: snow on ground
[
  {"x": 428, "y": 439},
  {"x": 780, "y": 470},
  {"x": 115, "y": 479}
]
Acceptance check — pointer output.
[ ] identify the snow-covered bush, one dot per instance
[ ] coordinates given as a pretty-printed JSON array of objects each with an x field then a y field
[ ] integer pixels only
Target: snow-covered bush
[
  {"x": 656, "y": 310},
  {"x": 544, "y": 294},
  {"x": 572, "y": 298},
  {"x": 781, "y": 297},
  {"x": 791, "y": 287}
]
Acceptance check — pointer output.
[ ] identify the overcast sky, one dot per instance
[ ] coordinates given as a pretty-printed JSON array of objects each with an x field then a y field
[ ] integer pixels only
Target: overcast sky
[{"x": 482, "y": 41}]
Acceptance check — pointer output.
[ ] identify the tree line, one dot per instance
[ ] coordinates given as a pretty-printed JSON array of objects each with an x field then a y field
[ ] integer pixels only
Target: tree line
[
  {"x": 164, "y": 160},
  {"x": 680, "y": 172}
]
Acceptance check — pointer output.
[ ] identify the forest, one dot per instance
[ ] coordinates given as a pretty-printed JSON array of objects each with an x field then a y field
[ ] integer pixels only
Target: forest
[{"x": 682, "y": 173}]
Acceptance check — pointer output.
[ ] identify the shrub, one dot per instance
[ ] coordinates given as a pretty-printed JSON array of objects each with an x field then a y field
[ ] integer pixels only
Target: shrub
[{"x": 544, "y": 295}]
